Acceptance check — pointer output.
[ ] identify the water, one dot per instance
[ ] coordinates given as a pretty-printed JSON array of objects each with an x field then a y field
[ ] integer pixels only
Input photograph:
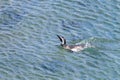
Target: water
[{"x": 29, "y": 47}]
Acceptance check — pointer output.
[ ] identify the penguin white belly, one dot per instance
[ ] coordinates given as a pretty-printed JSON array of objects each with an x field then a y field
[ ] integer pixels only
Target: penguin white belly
[{"x": 77, "y": 49}]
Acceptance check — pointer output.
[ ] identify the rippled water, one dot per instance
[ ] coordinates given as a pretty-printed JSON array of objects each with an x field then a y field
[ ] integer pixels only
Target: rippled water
[{"x": 29, "y": 48}]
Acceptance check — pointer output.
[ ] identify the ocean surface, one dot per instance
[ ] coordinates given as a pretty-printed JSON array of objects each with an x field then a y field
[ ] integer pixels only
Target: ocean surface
[{"x": 30, "y": 49}]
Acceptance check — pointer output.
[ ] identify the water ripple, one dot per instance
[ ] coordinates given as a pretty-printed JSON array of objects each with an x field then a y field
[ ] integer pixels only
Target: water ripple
[{"x": 29, "y": 47}]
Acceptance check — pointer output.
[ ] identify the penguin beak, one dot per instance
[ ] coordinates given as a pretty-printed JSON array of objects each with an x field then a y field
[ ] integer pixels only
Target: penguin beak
[{"x": 59, "y": 38}]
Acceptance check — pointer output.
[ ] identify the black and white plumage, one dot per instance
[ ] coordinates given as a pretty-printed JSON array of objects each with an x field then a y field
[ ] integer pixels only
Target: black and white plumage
[{"x": 74, "y": 48}]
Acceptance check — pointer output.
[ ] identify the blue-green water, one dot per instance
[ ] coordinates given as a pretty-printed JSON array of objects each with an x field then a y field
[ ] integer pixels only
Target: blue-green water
[{"x": 29, "y": 48}]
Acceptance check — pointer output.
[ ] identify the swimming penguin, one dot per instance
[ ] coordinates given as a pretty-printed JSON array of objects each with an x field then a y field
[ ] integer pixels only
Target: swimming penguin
[{"x": 74, "y": 48}]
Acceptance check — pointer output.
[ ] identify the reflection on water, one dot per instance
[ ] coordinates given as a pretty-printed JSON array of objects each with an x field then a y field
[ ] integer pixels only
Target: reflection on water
[{"x": 29, "y": 47}]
